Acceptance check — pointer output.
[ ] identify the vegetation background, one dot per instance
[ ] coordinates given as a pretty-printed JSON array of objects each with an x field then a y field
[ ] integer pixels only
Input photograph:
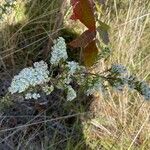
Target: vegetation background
[{"x": 118, "y": 121}]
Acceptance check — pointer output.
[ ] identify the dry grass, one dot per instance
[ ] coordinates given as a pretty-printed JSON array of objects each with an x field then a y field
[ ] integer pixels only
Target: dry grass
[
  {"x": 122, "y": 118},
  {"x": 27, "y": 30}
]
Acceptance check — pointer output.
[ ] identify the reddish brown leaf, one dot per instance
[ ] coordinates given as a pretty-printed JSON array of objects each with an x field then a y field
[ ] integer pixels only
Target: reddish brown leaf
[
  {"x": 90, "y": 53},
  {"x": 83, "y": 10},
  {"x": 84, "y": 39}
]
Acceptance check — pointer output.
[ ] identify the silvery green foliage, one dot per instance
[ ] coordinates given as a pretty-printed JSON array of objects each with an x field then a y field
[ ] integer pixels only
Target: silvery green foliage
[
  {"x": 71, "y": 93},
  {"x": 30, "y": 77},
  {"x": 119, "y": 78},
  {"x": 105, "y": 52},
  {"x": 131, "y": 81},
  {"x": 118, "y": 69},
  {"x": 118, "y": 83},
  {"x": 32, "y": 81},
  {"x": 48, "y": 89},
  {"x": 6, "y": 8},
  {"x": 145, "y": 90},
  {"x": 70, "y": 68},
  {"x": 93, "y": 85},
  {"x": 141, "y": 86},
  {"x": 58, "y": 51},
  {"x": 63, "y": 79}
]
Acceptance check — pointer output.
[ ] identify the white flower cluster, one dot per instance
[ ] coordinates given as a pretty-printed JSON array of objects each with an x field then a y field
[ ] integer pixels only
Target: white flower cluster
[
  {"x": 30, "y": 77},
  {"x": 73, "y": 67},
  {"x": 71, "y": 94},
  {"x": 58, "y": 51},
  {"x": 34, "y": 96}
]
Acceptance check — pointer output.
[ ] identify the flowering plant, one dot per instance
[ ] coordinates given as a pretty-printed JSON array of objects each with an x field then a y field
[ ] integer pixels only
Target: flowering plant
[{"x": 41, "y": 77}]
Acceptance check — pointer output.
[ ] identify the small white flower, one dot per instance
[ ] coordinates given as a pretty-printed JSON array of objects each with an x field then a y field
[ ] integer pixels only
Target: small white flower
[
  {"x": 73, "y": 67},
  {"x": 35, "y": 96},
  {"x": 28, "y": 96},
  {"x": 58, "y": 51},
  {"x": 71, "y": 94}
]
